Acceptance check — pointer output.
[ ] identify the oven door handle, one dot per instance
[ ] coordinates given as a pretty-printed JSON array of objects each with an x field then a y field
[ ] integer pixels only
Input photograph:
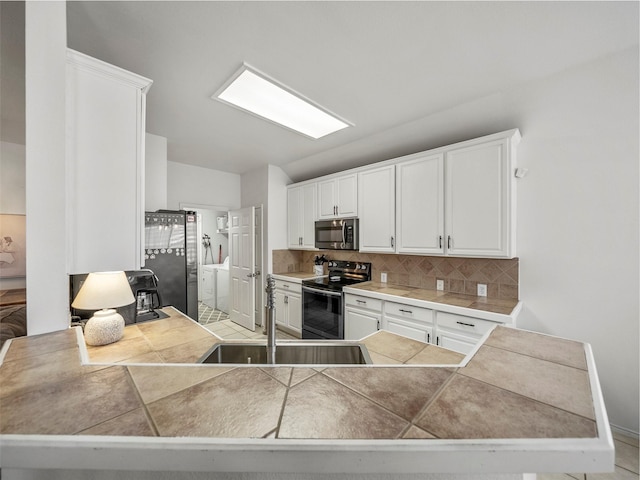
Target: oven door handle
[
  {"x": 323, "y": 292},
  {"x": 344, "y": 234}
]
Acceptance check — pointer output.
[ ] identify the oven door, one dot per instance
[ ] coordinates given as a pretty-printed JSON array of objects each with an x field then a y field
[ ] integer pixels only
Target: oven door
[{"x": 322, "y": 314}]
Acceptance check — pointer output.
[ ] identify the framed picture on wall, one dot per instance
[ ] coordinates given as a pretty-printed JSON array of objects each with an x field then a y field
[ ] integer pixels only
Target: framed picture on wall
[{"x": 13, "y": 243}]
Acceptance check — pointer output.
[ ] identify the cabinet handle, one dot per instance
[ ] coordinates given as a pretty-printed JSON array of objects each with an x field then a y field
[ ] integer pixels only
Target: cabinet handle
[
  {"x": 448, "y": 241},
  {"x": 378, "y": 324},
  {"x": 362, "y": 302},
  {"x": 428, "y": 338},
  {"x": 391, "y": 241},
  {"x": 437, "y": 340},
  {"x": 286, "y": 299},
  {"x": 406, "y": 311},
  {"x": 285, "y": 285},
  {"x": 466, "y": 324},
  {"x": 440, "y": 241}
]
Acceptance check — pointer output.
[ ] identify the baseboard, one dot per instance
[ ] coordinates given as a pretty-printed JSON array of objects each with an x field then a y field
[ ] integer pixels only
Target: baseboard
[{"x": 624, "y": 431}]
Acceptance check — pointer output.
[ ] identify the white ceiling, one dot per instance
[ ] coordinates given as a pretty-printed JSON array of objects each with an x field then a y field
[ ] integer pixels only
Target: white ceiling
[{"x": 380, "y": 65}]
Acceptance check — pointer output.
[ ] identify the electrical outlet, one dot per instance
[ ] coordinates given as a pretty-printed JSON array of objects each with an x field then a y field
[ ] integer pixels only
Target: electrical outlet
[
  {"x": 383, "y": 277},
  {"x": 439, "y": 284},
  {"x": 482, "y": 290}
]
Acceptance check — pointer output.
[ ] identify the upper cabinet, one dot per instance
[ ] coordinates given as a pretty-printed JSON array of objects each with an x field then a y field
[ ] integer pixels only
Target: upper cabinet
[
  {"x": 376, "y": 200},
  {"x": 338, "y": 197},
  {"x": 420, "y": 204},
  {"x": 105, "y": 166},
  {"x": 301, "y": 216},
  {"x": 479, "y": 203},
  {"x": 457, "y": 200}
]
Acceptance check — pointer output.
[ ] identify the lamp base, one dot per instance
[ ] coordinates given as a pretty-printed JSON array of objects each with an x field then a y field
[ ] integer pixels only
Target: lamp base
[{"x": 106, "y": 326}]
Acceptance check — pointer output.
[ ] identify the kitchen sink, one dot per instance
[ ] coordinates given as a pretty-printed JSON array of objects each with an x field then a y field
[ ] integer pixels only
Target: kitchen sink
[{"x": 290, "y": 353}]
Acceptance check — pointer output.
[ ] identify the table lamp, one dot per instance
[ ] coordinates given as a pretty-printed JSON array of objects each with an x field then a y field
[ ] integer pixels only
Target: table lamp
[{"x": 104, "y": 291}]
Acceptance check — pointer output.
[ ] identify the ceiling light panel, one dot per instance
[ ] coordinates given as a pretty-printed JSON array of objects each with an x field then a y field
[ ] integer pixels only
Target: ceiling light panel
[{"x": 256, "y": 93}]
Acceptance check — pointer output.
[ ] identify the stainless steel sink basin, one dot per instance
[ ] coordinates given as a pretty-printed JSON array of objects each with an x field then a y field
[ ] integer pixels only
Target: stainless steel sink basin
[{"x": 290, "y": 353}]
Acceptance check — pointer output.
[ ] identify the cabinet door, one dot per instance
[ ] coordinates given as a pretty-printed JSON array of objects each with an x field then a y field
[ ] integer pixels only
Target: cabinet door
[
  {"x": 457, "y": 343},
  {"x": 295, "y": 311},
  {"x": 347, "y": 188},
  {"x": 294, "y": 217},
  {"x": 415, "y": 331},
  {"x": 338, "y": 197},
  {"x": 477, "y": 200},
  {"x": 358, "y": 324},
  {"x": 376, "y": 191},
  {"x": 420, "y": 205},
  {"x": 281, "y": 307},
  {"x": 327, "y": 199},
  {"x": 308, "y": 217}
]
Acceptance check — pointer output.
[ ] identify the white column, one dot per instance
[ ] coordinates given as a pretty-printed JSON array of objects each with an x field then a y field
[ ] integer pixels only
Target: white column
[{"x": 45, "y": 72}]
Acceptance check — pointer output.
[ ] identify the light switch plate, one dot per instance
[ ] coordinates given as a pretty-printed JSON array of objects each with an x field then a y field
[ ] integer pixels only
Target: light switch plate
[
  {"x": 439, "y": 284},
  {"x": 482, "y": 290},
  {"x": 383, "y": 277}
]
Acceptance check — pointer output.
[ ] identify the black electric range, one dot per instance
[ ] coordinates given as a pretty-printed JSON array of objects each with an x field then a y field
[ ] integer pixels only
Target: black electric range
[{"x": 322, "y": 303}]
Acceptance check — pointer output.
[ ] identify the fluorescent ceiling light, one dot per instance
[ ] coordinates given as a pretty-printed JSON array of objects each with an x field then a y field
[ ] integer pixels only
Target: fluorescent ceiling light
[{"x": 258, "y": 94}]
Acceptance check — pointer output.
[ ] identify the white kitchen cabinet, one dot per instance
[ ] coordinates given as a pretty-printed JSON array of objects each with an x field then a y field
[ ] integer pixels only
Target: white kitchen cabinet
[
  {"x": 288, "y": 303},
  {"x": 362, "y": 316},
  {"x": 459, "y": 332},
  {"x": 301, "y": 216},
  {"x": 105, "y": 165},
  {"x": 479, "y": 204},
  {"x": 420, "y": 205},
  {"x": 409, "y": 321},
  {"x": 338, "y": 197},
  {"x": 377, "y": 211}
]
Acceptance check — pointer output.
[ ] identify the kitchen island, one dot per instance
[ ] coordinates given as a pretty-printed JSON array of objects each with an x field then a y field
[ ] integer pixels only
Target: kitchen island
[{"x": 522, "y": 402}]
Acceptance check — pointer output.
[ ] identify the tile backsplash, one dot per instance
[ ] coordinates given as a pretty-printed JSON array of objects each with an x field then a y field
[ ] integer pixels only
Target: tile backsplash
[{"x": 460, "y": 275}]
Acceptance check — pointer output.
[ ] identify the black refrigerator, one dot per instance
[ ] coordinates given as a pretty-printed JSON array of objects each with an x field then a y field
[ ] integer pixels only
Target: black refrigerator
[{"x": 171, "y": 243}]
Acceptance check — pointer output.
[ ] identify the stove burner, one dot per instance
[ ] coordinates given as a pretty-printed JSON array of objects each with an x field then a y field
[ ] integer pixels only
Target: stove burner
[{"x": 341, "y": 274}]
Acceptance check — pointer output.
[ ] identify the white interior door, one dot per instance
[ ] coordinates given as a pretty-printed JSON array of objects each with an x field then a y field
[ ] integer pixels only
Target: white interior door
[{"x": 242, "y": 267}]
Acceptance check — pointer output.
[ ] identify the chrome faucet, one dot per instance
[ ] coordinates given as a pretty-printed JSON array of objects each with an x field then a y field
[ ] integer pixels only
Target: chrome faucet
[{"x": 270, "y": 319}]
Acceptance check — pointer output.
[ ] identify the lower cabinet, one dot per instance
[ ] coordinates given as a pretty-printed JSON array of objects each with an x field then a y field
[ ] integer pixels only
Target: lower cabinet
[
  {"x": 362, "y": 316},
  {"x": 288, "y": 299},
  {"x": 459, "y": 332},
  {"x": 408, "y": 321}
]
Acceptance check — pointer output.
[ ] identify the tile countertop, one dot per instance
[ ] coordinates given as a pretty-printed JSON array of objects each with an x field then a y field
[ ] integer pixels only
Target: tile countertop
[{"x": 524, "y": 402}]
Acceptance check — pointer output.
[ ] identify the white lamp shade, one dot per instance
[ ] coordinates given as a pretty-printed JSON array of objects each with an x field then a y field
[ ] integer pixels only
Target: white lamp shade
[{"x": 104, "y": 290}]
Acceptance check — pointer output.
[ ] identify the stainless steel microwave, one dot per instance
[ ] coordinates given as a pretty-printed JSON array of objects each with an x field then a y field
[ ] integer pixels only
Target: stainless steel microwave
[{"x": 339, "y": 234}]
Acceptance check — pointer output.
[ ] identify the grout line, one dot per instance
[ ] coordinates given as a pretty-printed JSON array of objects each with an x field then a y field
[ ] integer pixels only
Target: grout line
[{"x": 143, "y": 405}]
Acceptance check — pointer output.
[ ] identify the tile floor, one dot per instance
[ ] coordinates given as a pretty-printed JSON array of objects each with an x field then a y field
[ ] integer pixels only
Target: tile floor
[
  {"x": 626, "y": 464},
  {"x": 219, "y": 323}
]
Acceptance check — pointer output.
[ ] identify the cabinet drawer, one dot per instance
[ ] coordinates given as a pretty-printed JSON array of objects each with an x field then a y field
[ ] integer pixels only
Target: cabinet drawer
[
  {"x": 462, "y": 324},
  {"x": 289, "y": 286},
  {"x": 363, "y": 302},
  {"x": 406, "y": 311}
]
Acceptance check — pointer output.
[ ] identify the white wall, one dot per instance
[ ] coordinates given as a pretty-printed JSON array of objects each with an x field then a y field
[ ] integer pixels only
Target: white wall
[
  {"x": 277, "y": 212},
  {"x": 155, "y": 171},
  {"x": 577, "y": 209},
  {"x": 266, "y": 186},
  {"x": 12, "y": 179},
  {"x": 45, "y": 73},
  {"x": 201, "y": 186},
  {"x": 12, "y": 194},
  {"x": 578, "y": 218}
]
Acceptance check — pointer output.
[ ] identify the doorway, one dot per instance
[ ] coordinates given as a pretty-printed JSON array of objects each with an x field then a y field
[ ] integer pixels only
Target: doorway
[{"x": 214, "y": 281}]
